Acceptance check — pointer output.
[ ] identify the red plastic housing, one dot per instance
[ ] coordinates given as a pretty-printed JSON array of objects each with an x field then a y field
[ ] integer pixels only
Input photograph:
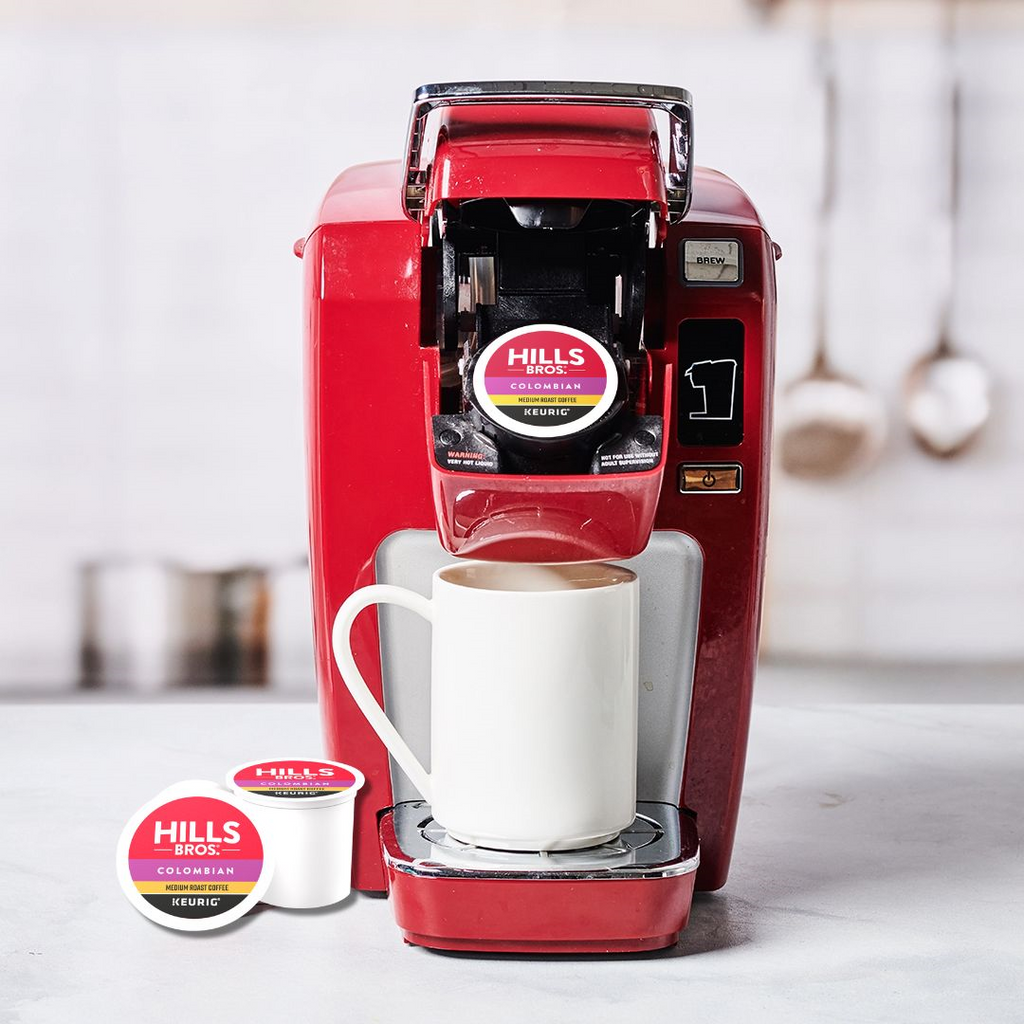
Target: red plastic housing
[{"x": 370, "y": 475}]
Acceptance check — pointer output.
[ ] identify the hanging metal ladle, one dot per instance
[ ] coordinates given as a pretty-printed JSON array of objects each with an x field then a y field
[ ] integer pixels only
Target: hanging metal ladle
[
  {"x": 829, "y": 424},
  {"x": 948, "y": 396}
]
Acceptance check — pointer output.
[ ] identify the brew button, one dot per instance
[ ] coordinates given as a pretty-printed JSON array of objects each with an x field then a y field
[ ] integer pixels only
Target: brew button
[
  {"x": 721, "y": 478},
  {"x": 712, "y": 261}
]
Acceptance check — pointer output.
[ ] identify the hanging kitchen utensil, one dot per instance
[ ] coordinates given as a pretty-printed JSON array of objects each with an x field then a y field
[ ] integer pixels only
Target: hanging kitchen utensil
[
  {"x": 829, "y": 424},
  {"x": 948, "y": 396}
]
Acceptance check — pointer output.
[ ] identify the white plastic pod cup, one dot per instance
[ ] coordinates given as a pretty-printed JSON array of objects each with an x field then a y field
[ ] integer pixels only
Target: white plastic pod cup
[{"x": 305, "y": 811}]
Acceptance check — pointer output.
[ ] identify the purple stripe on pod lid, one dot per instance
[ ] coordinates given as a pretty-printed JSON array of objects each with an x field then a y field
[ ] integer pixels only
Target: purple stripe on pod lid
[
  {"x": 194, "y": 869},
  {"x": 339, "y": 783},
  {"x": 559, "y": 385}
]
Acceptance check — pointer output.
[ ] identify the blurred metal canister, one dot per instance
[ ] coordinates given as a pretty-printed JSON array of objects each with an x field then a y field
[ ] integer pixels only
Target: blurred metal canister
[
  {"x": 151, "y": 624},
  {"x": 126, "y": 623},
  {"x": 223, "y": 626}
]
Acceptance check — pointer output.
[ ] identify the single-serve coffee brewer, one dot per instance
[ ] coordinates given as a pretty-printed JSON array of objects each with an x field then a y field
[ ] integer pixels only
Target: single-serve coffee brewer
[{"x": 539, "y": 368}]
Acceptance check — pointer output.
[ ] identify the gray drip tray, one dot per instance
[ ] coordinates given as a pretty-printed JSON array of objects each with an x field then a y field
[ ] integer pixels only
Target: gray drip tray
[{"x": 658, "y": 844}]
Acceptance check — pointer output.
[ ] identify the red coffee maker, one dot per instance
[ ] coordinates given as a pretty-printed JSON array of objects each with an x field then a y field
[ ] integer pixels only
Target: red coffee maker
[{"x": 523, "y": 216}]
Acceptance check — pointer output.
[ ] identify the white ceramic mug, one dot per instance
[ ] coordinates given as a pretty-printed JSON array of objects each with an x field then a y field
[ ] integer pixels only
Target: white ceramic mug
[{"x": 533, "y": 701}]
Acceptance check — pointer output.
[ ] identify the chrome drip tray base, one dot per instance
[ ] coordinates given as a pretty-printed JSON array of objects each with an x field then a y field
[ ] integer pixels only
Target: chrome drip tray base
[{"x": 659, "y": 843}]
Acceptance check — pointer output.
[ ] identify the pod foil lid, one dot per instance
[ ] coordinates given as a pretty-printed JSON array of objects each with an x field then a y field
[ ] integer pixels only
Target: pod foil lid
[{"x": 192, "y": 859}]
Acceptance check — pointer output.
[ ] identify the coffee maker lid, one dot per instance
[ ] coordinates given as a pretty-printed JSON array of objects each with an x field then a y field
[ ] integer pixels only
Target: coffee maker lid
[
  {"x": 295, "y": 782},
  {"x": 192, "y": 859}
]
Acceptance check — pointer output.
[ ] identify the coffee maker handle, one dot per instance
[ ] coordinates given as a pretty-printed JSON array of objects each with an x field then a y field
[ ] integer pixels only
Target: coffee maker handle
[{"x": 379, "y": 594}]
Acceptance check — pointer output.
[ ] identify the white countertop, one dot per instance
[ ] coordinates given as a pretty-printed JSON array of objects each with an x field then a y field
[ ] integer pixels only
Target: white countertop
[{"x": 878, "y": 876}]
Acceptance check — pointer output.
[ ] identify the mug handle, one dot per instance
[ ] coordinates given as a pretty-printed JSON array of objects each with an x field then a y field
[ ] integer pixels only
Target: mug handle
[{"x": 379, "y": 593}]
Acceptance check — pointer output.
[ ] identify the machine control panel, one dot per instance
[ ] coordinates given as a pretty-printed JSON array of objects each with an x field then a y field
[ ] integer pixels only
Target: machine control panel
[
  {"x": 711, "y": 261},
  {"x": 714, "y": 478}
]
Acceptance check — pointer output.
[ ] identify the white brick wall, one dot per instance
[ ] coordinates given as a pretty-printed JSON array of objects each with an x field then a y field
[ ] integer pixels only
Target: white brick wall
[{"x": 154, "y": 176}]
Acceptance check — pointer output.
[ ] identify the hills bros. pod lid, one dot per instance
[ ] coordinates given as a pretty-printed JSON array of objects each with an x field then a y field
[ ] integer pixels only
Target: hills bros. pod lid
[
  {"x": 296, "y": 782},
  {"x": 192, "y": 859},
  {"x": 545, "y": 381}
]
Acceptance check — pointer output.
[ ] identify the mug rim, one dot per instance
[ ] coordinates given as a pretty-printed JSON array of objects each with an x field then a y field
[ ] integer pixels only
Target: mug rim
[{"x": 619, "y": 576}]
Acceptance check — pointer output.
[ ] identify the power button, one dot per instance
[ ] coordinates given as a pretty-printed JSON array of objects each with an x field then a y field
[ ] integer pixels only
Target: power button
[{"x": 716, "y": 477}]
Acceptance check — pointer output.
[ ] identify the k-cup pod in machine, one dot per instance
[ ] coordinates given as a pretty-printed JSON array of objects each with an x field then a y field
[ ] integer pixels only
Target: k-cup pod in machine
[
  {"x": 304, "y": 809},
  {"x": 193, "y": 858}
]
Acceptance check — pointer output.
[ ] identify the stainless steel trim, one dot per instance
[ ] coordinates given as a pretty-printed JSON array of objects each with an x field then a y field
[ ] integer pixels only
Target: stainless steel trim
[
  {"x": 650, "y": 848},
  {"x": 676, "y": 102}
]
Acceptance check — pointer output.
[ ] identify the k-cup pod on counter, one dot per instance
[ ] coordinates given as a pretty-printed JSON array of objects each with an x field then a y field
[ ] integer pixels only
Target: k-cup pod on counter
[
  {"x": 193, "y": 858},
  {"x": 305, "y": 812}
]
